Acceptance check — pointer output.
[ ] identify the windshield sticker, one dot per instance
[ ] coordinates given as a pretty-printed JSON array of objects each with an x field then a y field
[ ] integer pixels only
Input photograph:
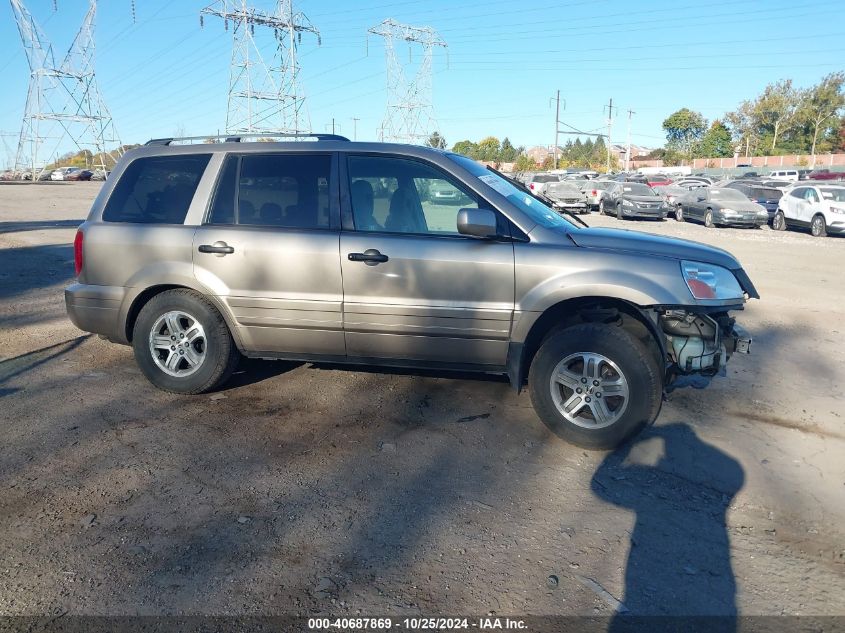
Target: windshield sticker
[{"x": 499, "y": 185}]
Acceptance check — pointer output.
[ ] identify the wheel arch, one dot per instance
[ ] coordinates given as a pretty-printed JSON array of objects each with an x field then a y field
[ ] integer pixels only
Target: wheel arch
[
  {"x": 602, "y": 309},
  {"x": 143, "y": 297}
]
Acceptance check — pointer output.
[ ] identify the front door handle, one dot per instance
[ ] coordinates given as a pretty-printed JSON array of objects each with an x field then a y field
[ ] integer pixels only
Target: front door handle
[
  {"x": 218, "y": 248},
  {"x": 370, "y": 257}
]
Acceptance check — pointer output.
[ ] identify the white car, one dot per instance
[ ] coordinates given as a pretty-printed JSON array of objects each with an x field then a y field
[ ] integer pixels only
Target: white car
[
  {"x": 539, "y": 182},
  {"x": 785, "y": 174},
  {"x": 59, "y": 174},
  {"x": 821, "y": 208}
]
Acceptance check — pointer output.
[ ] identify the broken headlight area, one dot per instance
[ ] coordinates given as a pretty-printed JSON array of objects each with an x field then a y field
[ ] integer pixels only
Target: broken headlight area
[{"x": 701, "y": 343}]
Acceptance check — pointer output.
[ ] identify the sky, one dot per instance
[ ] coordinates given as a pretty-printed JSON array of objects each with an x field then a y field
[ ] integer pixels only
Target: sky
[{"x": 163, "y": 75}]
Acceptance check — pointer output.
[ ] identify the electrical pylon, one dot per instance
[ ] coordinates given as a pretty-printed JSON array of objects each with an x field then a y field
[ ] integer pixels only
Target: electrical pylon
[
  {"x": 264, "y": 97},
  {"x": 63, "y": 100},
  {"x": 410, "y": 109}
]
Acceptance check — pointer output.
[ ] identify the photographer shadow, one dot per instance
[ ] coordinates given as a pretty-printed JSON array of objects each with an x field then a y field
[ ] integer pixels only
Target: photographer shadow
[{"x": 680, "y": 488}]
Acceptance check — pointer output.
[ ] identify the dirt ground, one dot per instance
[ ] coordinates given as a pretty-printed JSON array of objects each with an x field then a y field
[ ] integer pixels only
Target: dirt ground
[{"x": 312, "y": 489}]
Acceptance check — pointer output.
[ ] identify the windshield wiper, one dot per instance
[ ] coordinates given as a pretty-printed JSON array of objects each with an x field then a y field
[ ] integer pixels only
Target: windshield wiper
[{"x": 538, "y": 197}]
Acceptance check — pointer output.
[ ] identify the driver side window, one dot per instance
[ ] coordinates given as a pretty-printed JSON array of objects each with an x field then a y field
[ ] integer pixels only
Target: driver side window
[{"x": 397, "y": 195}]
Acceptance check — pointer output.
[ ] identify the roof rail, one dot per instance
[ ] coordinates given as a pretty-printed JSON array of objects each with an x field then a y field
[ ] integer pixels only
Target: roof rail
[{"x": 237, "y": 138}]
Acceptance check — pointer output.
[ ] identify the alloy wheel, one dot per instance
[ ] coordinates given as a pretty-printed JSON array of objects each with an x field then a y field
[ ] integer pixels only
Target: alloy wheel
[
  {"x": 589, "y": 390},
  {"x": 178, "y": 343}
]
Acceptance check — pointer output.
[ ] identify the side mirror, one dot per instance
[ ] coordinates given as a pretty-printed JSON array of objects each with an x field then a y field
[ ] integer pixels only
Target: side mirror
[
  {"x": 702, "y": 198},
  {"x": 477, "y": 223}
]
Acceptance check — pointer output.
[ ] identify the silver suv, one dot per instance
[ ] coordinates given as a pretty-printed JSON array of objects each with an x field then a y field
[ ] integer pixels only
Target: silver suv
[{"x": 337, "y": 251}]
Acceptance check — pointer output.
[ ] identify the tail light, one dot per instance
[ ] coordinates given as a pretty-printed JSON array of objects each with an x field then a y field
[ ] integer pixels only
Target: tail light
[
  {"x": 77, "y": 253},
  {"x": 595, "y": 193},
  {"x": 531, "y": 186}
]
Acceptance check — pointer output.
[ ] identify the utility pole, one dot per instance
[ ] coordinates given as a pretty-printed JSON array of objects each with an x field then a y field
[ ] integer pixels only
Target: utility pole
[
  {"x": 609, "y": 126},
  {"x": 355, "y": 128},
  {"x": 264, "y": 96},
  {"x": 556, "y": 99},
  {"x": 410, "y": 103},
  {"x": 628, "y": 150}
]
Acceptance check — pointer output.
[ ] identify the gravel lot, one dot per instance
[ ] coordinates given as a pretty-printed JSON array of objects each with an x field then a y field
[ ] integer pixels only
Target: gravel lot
[{"x": 313, "y": 489}]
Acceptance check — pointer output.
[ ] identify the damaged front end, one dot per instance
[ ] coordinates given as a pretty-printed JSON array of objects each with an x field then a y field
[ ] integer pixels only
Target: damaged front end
[{"x": 700, "y": 343}]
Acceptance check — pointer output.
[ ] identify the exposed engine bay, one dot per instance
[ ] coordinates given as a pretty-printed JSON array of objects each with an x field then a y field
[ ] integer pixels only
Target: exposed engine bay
[{"x": 700, "y": 343}]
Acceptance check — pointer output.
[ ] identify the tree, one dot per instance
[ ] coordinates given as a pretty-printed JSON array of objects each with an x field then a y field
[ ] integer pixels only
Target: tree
[
  {"x": 488, "y": 149},
  {"x": 436, "y": 141},
  {"x": 776, "y": 108},
  {"x": 524, "y": 163},
  {"x": 507, "y": 153},
  {"x": 716, "y": 142},
  {"x": 465, "y": 148},
  {"x": 821, "y": 103},
  {"x": 684, "y": 130}
]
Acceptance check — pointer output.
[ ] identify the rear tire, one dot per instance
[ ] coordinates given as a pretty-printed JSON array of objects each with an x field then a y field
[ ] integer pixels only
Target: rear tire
[
  {"x": 602, "y": 210},
  {"x": 818, "y": 227},
  {"x": 779, "y": 221},
  {"x": 607, "y": 357},
  {"x": 182, "y": 344}
]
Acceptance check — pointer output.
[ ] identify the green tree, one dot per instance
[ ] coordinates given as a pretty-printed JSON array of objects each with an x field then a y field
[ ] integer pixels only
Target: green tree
[
  {"x": 716, "y": 142},
  {"x": 488, "y": 149},
  {"x": 524, "y": 163},
  {"x": 775, "y": 109},
  {"x": 466, "y": 148},
  {"x": 684, "y": 130},
  {"x": 507, "y": 153},
  {"x": 436, "y": 141},
  {"x": 820, "y": 106}
]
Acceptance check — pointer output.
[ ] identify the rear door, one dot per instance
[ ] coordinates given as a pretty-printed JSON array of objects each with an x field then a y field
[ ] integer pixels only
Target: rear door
[
  {"x": 268, "y": 251},
  {"x": 414, "y": 289}
]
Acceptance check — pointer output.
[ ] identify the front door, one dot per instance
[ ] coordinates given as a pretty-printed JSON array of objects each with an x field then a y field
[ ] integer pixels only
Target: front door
[
  {"x": 269, "y": 252},
  {"x": 414, "y": 289}
]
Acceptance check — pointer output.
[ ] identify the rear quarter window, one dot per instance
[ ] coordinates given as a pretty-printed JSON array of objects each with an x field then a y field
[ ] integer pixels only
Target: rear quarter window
[{"x": 156, "y": 189}]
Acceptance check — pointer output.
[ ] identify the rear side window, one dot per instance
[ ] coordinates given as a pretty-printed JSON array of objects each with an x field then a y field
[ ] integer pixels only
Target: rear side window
[
  {"x": 284, "y": 190},
  {"x": 156, "y": 190}
]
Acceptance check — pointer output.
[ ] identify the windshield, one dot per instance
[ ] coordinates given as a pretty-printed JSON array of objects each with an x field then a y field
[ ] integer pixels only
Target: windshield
[
  {"x": 837, "y": 194},
  {"x": 533, "y": 208},
  {"x": 638, "y": 190},
  {"x": 727, "y": 194}
]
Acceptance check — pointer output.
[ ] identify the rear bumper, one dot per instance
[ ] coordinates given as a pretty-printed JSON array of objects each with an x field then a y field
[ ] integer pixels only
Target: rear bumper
[{"x": 95, "y": 308}]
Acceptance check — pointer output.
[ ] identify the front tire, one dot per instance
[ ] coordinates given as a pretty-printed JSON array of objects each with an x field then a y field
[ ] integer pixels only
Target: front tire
[
  {"x": 602, "y": 210},
  {"x": 779, "y": 221},
  {"x": 619, "y": 215},
  {"x": 182, "y": 343},
  {"x": 594, "y": 385},
  {"x": 708, "y": 219},
  {"x": 679, "y": 214},
  {"x": 818, "y": 227}
]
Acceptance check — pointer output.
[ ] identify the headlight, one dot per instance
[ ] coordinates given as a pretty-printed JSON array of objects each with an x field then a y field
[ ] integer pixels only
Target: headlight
[
  {"x": 837, "y": 210},
  {"x": 627, "y": 203},
  {"x": 708, "y": 281},
  {"x": 729, "y": 211}
]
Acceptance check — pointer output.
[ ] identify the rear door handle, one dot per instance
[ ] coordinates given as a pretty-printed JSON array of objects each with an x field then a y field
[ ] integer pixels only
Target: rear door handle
[
  {"x": 218, "y": 248},
  {"x": 370, "y": 257}
]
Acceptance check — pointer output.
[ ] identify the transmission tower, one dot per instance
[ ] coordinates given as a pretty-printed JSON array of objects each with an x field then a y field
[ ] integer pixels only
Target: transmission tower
[
  {"x": 410, "y": 110},
  {"x": 264, "y": 97},
  {"x": 64, "y": 99}
]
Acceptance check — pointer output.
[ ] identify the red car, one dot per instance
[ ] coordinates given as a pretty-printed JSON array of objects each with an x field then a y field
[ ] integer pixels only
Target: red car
[
  {"x": 659, "y": 180},
  {"x": 824, "y": 174}
]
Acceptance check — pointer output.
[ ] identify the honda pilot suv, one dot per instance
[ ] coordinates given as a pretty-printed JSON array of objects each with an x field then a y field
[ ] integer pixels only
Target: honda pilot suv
[{"x": 327, "y": 250}]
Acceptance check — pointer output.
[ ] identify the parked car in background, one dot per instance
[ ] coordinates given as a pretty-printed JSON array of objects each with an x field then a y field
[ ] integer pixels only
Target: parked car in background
[
  {"x": 538, "y": 182},
  {"x": 623, "y": 177},
  {"x": 634, "y": 200},
  {"x": 722, "y": 206},
  {"x": 443, "y": 192},
  {"x": 79, "y": 174},
  {"x": 804, "y": 174},
  {"x": 566, "y": 195},
  {"x": 63, "y": 172},
  {"x": 777, "y": 184},
  {"x": 820, "y": 208},
  {"x": 824, "y": 174},
  {"x": 784, "y": 174},
  {"x": 694, "y": 181},
  {"x": 595, "y": 192},
  {"x": 99, "y": 174},
  {"x": 658, "y": 179},
  {"x": 767, "y": 197},
  {"x": 671, "y": 194},
  {"x": 46, "y": 174}
]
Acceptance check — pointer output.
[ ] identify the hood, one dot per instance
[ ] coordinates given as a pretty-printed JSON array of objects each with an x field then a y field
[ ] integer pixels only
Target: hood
[
  {"x": 642, "y": 198},
  {"x": 736, "y": 205},
  {"x": 637, "y": 242}
]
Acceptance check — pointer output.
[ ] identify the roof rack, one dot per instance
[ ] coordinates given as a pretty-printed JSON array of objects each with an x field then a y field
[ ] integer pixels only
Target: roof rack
[{"x": 237, "y": 138}]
